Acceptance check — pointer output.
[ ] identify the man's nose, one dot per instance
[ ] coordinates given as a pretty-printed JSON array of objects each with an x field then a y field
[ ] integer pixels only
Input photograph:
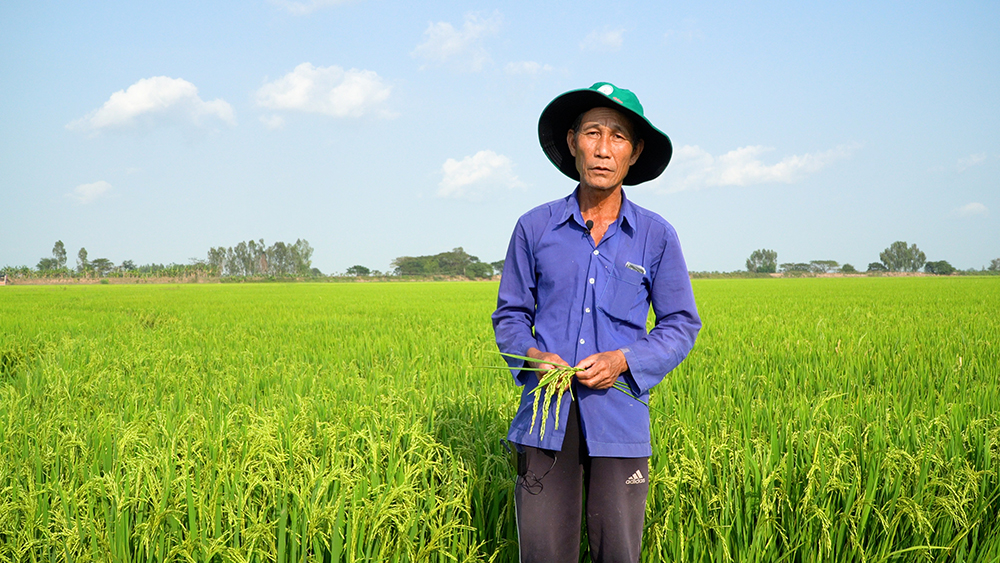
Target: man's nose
[{"x": 603, "y": 147}]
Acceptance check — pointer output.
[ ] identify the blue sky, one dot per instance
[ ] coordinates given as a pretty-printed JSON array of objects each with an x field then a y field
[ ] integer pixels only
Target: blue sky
[{"x": 153, "y": 131}]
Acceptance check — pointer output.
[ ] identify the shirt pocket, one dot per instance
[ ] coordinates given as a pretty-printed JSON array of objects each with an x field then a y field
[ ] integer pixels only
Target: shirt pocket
[{"x": 623, "y": 296}]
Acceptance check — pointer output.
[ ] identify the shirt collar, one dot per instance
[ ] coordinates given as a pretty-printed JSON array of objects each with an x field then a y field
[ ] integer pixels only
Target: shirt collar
[{"x": 627, "y": 214}]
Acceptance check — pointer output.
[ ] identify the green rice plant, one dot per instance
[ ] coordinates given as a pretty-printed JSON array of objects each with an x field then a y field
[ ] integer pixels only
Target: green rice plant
[
  {"x": 831, "y": 420},
  {"x": 852, "y": 420}
]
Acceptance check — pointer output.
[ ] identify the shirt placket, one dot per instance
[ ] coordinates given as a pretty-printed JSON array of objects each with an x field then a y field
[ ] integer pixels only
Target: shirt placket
[{"x": 597, "y": 275}]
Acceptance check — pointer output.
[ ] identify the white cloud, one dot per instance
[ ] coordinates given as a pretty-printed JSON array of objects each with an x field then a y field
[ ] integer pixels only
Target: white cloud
[
  {"x": 305, "y": 8},
  {"x": 472, "y": 175},
  {"x": 86, "y": 193},
  {"x": 152, "y": 100},
  {"x": 462, "y": 47},
  {"x": 970, "y": 161},
  {"x": 694, "y": 168},
  {"x": 974, "y": 209},
  {"x": 689, "y": 33},
  {"x": 607, "y": 40},
  {"x": 526, "y": 67},
  {"x": 272, "y": 121},
  {"x": 327, "y": 90}
]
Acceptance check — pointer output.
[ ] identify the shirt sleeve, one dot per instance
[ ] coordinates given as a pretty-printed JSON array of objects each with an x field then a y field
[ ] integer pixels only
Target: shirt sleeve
[
  {"x": 677, "y": 321},
  {"x": 514, "y": 317}
]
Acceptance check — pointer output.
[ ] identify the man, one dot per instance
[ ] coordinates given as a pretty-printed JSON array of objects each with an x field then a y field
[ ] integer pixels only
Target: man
[{"x": 579, "y": 277}]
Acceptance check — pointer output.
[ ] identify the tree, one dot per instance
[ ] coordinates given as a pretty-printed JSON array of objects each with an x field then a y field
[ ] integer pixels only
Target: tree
[
  {"x": 302, "y": 256},
  {"x": 255, "y": 258},
  {"x": 127, "y": 266},
  {"x": 82, "y": 265},
  {"x": 415, "y": 266},
  {"x": 823, "y": 266},
  {"x": 358, "y": 270},
  {"x": 258, "y": 257},
  {"x": 994, "y": 265},
  {"x": 848, "y": 269},
  {"x": 796, "y": 267},
  {"x": 59, "y": 254},
  {"x": 451, "y": 263},
  {"x": 217, "y": 259},
  {"x": 940, "y": 268},
  {"x": 901, "y": 258},
  {"x": 497, "y": 266},
  {"x": 102, "y": 266},
  {"x": 763, "y": 261},
  {"x": 877, "y": 267},
  {"x": 242, "y": 260},
  {"x": 47, "y": 265},
  {"x": 279, "y": 259},
  {"x": 455, "y": 262},
  {"x": 478, "y": 270}
]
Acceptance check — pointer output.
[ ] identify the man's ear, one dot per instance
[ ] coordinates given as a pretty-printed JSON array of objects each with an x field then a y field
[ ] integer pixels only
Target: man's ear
[
  {"x": 571, "y": 141},
  {"x": 636, "y": 151}
]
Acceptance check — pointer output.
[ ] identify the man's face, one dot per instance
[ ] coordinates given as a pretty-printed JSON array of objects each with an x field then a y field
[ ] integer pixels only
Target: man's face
[{"x": 604, "y": 148}]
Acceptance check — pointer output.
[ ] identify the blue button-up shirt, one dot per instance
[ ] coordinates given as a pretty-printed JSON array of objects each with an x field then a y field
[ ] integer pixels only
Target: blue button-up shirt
[{"x": 562, "y": 294}]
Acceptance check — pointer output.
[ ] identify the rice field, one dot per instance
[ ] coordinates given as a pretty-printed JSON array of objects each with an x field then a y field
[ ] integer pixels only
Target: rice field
[{"x": 816, "y": 420}]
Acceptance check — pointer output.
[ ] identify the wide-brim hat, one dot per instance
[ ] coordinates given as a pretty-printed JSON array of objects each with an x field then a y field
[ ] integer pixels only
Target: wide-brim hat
[{"x": 559, "y": 115}]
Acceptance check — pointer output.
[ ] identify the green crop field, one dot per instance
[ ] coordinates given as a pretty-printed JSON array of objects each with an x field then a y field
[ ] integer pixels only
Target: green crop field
[{"x": 816, "y": 420}]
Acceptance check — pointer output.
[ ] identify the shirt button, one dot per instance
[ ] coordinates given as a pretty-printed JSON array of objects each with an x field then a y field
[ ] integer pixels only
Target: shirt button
[
  {"x": 596, "y": 252},
  {"x": 587, "y": 310},
  {"x": 591, "y": 281},
  {"x": 582, "y": 342}
]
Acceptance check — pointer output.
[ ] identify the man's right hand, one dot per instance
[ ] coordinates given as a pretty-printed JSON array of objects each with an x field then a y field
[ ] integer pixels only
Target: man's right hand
[{"x": 545, "y": 360}]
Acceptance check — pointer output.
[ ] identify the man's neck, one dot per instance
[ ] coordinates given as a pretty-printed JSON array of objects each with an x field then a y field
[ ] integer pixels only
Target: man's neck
[
  {"x": 601, "y": 207},
  {"x": 600, "y": 204}
]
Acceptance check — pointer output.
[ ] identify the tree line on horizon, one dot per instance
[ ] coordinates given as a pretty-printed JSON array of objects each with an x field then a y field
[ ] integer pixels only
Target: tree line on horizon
[
  {"x": 456, "y": 262},
  {"x": 898, "y": 257},
  {"x": 246, "y": 259},
  {"x": 255, "y": 259},
  {"x": 56, "y": 266}
]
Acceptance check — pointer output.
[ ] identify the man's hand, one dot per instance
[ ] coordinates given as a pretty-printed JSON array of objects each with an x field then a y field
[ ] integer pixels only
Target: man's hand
[
  {"x": 545, "y": 361},
  {"x": 600, "y": 371}
]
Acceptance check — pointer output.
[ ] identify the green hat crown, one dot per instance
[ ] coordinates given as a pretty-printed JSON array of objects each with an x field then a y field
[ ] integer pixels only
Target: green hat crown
[{"x": 620, "y": 95}]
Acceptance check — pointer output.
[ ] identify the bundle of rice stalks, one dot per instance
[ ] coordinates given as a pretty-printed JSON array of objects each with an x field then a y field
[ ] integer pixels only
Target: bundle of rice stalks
[{"x": 553, "y": 385}]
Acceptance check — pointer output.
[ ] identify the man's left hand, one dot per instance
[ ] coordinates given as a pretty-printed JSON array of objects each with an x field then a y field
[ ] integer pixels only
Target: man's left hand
[{"x": 600, "y": 371}]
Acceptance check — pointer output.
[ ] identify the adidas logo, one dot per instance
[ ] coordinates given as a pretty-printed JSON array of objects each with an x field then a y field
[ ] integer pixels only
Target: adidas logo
[{"x": 636, "y": 478}]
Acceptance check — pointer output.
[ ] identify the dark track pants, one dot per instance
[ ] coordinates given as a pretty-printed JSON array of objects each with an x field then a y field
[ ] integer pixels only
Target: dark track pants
[{"x": 549, "y": 501}]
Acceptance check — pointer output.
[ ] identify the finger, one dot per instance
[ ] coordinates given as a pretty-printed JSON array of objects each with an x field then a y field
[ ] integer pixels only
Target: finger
[
  {"x": 546, "y": 363},
  {"x": 597, "y": 379},
  {"x": 595, "y": 383},
  {"x": 554, "y": 363},
  {"x": 589, "y": 377},
  {"x": 595, "y": 369}
]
